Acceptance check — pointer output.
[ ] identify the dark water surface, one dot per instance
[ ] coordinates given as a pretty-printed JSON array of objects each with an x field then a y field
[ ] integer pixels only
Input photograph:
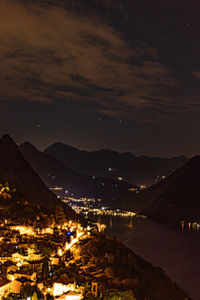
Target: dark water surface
[{"x": 176, "y": 252}]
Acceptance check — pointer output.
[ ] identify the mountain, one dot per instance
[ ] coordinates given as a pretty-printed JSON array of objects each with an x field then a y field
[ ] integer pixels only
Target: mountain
[
  {"x": 176, "y": 198},
  {"x": 106, "y": 163},
  {"x": 56, "y": 174},
  {"x": 52, "y": 171},
  {"x": 15, "y": 170},
  {"x": 125, "y": 271}
]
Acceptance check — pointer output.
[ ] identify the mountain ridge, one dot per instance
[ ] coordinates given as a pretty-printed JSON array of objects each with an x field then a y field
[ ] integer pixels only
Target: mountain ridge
[
  {"x": 55, "y": 173},
  {"x": 19, "y": 174},
  {"x": 15, "y": 170},
  {"x": 175, "y": 199},
  {"x": 138, "y": 170}
]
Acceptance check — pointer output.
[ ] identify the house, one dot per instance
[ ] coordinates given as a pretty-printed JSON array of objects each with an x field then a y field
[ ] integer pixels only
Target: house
[
  {"x": 55, "y": 260},
  {"x": 12, "y": 267},
  {"x": 31, "y": 256},
  {"x": 35, "y": 256},
  {"x": 8, "y": 266},
  {"x": 34, "y": 265},
  {"x": 29, "y": 274},
  {"x": 60, "y": 288},
  {"x": 25, "y": 281},
  {"x": 47, "y": 231},
  {"x": 71, "y": 295},
  {"x": 15, "y": 287},
  {"x": 4, "y": 257},
  {"x": 11, "y": 275},
  {"x": 17, "y": 257},
  {"x": 5, "y": 287}
]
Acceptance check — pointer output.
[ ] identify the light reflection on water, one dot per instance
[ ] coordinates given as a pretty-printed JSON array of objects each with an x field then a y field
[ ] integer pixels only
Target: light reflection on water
[{"x": 174, "y": 250}]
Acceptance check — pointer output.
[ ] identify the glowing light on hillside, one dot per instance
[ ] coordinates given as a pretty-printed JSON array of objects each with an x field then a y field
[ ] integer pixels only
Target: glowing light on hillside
[
  {"x": 24, "y": 230},
  {"x": 60, "y": 252}
]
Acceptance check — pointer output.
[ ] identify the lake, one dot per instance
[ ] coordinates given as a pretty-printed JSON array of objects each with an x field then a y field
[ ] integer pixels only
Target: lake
[{"x": 176, "y": 252}]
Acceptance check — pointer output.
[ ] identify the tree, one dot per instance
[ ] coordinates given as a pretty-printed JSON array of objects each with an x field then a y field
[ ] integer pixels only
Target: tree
[
  {"x": 46, "y": 251},
  {"x": 109, "y": 272},
  {"x": 11, "y": 297},
  {"x": 38, "y": 225},
  {"x": 45, "y": 268},
  {"x": 34, "y": 297},
  {"x": 31, "y": 291},
  {"x": 87, "y": 287},
  {"x": 49, "y": 297},
  {"x": 118, "y": 295},
  {"x": 47, "y": 221},
  {"x": 26, "y": 291},
  {"x": 59, "y": 215}
]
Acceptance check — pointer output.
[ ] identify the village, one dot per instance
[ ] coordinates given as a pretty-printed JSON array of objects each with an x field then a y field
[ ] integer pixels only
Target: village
[{"x": 33, "y": 259}]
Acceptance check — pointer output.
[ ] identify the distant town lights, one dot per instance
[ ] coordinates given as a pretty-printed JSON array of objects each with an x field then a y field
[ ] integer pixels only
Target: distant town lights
[{"x": 142, "y": 187}]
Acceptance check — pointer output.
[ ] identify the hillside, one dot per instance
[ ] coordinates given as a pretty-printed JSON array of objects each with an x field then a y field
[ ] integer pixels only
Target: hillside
[
  {"x": 177, "y": 197},
  {"x": 15, "y": 170},
  {"x": 56, "y": 174},
  {"x": 142, "y": 170},
  {"x": 115, "y": 266}
]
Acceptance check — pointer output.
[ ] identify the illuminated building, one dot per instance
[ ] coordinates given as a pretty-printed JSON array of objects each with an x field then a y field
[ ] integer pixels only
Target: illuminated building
[
  {"x": 71, "y": 296},
  {"x": 94, "y": 289},
  {"x": 5, "y": 287},
  {"x": 60, "y": 288}
]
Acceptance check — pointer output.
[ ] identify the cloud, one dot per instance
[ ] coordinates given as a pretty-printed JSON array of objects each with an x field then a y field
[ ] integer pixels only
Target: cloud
[
  {"x": 50, "y": 54},
  {"x": 196, "y": 74}
]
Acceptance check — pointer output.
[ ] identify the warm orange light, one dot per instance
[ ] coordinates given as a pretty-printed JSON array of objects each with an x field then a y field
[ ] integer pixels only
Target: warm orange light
[{"x": 60, "y": 252}]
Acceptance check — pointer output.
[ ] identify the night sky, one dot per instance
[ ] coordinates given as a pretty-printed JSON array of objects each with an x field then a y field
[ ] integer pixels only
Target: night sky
[{"x": 98, "y": 74}]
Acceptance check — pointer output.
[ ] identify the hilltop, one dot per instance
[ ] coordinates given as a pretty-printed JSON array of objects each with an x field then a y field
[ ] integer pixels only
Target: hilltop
[
  {"x": 138, "y": 170},
  {"x": 18, "y": 173},
  {"x": 176, "y": 198},
  {"x": 56, "y": 174}
]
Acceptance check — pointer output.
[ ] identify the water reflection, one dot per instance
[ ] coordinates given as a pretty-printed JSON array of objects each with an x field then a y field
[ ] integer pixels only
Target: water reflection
[
  {"x": 188, "y": 226},
  {"x": 111, "y": 222},
  {"x": 175, "y": 250},
  {"x": 127, "y": 222},
  {"x": 130, "y": 225}
]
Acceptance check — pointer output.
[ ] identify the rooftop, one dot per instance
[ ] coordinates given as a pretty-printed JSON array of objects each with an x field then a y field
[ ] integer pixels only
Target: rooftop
[{"x": 4, "y": 281}]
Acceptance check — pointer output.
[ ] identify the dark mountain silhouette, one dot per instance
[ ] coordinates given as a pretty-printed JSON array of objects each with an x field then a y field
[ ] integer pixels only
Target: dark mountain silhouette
[
  {"x": 106, "y": 163},
  {"x": 15, "y": 170},
  {"x": 55, "y": 173},
  {"x": 177, "y": 197}
]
